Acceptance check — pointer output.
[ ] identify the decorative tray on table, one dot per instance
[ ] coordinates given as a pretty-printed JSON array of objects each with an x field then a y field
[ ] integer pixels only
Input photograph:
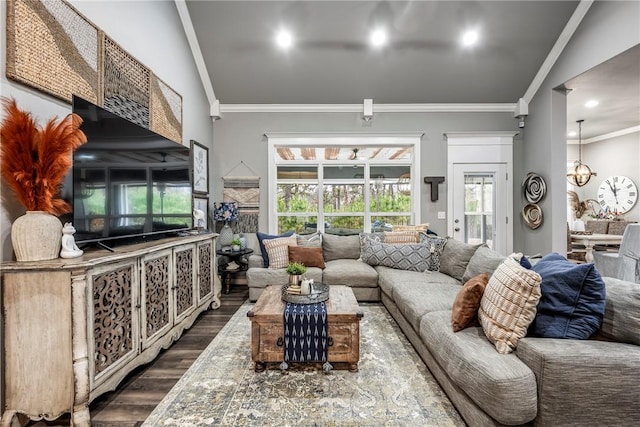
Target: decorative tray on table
[{"x": 319, "y": 293}]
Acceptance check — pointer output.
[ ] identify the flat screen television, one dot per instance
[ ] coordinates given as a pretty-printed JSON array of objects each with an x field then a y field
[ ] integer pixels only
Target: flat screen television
[{"x": 127, "y": 183}]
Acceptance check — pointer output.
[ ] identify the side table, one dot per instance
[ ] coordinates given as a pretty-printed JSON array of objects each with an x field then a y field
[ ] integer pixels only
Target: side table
[{"x": 239, "y": 258}]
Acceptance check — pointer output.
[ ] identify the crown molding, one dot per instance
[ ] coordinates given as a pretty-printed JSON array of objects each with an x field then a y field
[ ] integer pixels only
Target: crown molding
[
  {"x": 481, "y": 134},
  {"x": 196, "y": 52},
  {"x": 556, "y": 50},
  {"x": 621, "y": 132},
  {"x": 343, "y": 135},
  {"x": 377, "y": 108}
]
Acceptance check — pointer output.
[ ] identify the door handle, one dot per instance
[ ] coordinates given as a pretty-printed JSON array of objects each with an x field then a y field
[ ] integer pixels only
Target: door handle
[{"x": 456, "y": 229}]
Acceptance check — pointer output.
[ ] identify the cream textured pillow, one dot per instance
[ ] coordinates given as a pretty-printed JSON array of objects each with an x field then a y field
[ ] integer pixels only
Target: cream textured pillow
[
  {"x": 278, "y": 251},
  {"x": 401, "y": 237},
  {"x": 509, "y": 304},
  {"x": 420, "y": 227}
]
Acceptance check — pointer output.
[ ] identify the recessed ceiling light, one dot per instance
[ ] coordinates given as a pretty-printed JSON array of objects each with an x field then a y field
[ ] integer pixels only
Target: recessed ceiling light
[
  {"x": 469, "y": 38},
  {"x": 284, "y": 39},
  {"x": 378, "y": 38},
  {"x": 591, "y": 103},
  {"x": 572, "y": 133}
]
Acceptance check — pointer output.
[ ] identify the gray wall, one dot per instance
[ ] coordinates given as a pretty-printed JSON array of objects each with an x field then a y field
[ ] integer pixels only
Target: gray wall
[
  {"x": 608, "y": 29},
  {"x": 609, "y": 157},
  {"x": 240, "y": 137},
  {"x": 153, "y": 34}
]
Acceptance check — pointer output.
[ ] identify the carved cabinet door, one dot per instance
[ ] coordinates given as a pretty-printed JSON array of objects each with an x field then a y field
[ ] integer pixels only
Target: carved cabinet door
[
  {"x": 184, "y": 281},
  {"x": 156, "y": 299},
  {"x": 205, "y": 270},
  {"x": 113, "y": 312}
]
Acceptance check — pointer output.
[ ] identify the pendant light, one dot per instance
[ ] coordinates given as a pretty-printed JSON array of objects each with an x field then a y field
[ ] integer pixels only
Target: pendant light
[{"x": 579, "y": 174}]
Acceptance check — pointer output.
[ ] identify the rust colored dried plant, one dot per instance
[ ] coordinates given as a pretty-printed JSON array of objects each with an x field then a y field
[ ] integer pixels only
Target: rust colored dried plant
[{"x": 35, "y": 161}]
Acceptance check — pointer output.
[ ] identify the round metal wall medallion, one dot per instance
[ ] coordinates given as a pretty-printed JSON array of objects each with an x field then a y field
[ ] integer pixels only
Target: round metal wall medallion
[
  {"x": 534, "y": 188},
  {"x": 532, "y": 215}
]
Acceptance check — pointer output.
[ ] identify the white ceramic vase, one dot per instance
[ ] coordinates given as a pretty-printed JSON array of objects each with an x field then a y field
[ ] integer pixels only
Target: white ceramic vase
[
  {"x": 36, "y": 236},
  {"x": 226, "y": 235}
]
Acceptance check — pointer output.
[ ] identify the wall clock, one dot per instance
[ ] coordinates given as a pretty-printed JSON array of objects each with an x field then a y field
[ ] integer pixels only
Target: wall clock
[{"x": 617, "y": 194}]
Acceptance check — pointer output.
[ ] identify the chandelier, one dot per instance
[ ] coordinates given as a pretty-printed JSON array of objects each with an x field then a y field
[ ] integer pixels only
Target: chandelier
[{"x": 579, "y": 174}]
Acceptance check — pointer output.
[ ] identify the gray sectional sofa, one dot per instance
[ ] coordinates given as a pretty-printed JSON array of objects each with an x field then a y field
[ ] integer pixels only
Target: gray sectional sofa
[{"x": 545, "y": 382}]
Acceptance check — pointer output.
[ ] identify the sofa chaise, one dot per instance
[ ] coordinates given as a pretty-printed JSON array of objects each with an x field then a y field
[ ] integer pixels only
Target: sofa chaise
[{"x": 544, "y": 382}]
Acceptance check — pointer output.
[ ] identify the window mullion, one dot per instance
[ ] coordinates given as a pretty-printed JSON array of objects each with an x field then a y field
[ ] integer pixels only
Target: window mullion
[
  {"x": 367, "y": 197},
  {"x": 320, "y": 226}
]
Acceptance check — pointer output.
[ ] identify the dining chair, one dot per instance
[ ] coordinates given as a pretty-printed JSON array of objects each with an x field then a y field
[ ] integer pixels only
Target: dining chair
[{"x": 624, "y": 264}]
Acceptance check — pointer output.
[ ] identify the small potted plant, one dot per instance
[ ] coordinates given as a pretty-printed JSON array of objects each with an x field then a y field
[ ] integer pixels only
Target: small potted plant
[
  {"x": 235, "y": 244},
  {"x": 295, "y": 271}
]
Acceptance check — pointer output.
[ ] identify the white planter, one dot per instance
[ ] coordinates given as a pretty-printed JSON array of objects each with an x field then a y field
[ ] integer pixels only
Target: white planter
[{"x": 36, "y": 236}]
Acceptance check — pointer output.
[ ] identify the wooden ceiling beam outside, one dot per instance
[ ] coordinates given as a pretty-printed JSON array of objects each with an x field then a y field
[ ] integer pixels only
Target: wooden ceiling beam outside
[
  {"x": 401, "y": 152},
  {"x": 331, "y": 153},
  {"x": 308, "y": 153},
  {"x": 285, "y": 153},
  {"x": 375, "y": 153}
]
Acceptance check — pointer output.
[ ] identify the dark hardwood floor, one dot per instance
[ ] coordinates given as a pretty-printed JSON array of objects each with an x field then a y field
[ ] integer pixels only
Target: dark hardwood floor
[{"x": 142, "y": 390}]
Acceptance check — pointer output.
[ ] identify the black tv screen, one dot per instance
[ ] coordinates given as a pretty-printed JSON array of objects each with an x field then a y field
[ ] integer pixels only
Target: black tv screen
[{"x": 127, "y": 182}]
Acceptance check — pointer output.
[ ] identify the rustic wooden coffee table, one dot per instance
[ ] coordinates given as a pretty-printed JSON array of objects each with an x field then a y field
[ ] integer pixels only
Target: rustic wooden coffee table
[{"x": 267, "y": 331}]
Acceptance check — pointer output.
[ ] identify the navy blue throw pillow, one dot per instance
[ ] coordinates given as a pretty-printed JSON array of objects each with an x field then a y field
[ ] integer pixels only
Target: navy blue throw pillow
[
  {"x": 524, "y": 262},
  {"x": 262, "y": 237},
  {"x": 572, "y": 301}
]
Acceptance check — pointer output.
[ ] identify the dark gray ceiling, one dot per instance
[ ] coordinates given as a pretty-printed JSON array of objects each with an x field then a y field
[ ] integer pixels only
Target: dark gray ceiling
[
  {"x": 615, "y": 84},
  {"x": 332, "y": 63}
]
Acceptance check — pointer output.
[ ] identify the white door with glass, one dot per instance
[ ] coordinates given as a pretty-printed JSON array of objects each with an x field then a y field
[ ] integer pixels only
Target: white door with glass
[{"x": 480, "y": 211}]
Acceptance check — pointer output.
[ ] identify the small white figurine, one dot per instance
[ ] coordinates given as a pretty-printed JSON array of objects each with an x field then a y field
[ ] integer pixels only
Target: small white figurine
[
  {"x": 69, "y": 247},
  {"x": 198, "y": 217},
  {"x": 305, "y": 287}
]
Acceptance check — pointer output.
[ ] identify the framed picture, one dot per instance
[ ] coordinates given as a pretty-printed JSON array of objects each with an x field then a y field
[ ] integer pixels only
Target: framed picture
[
  {"x": 200, "y": 167},
  {"x": 201, "y": 203}
]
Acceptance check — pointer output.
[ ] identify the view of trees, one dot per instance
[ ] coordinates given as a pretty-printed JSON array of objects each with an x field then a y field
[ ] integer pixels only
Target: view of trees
[{"x": 340, "y": 199}]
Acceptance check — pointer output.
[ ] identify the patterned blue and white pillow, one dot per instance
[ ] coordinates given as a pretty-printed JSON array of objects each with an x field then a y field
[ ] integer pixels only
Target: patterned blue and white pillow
[
  {"x": 436, "y": 247},
  {"x": 412, "y": 257}
]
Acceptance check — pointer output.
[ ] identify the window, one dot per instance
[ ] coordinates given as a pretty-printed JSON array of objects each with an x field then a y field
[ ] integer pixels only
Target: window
[
  {"x": 478, "y": 215},
  {"x": 343, "y": 184}
]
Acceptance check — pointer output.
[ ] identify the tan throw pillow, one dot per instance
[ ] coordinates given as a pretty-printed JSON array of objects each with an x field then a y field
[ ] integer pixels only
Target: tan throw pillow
[
  {"x": 509, "y": 304},
  {"x": 278, "y": 251},
  {"x": 467, "y": 302},
  {"x": 420, "y": 227},
  {"x": 401, "y": 237},
  {"x": 310, "y": 257}
]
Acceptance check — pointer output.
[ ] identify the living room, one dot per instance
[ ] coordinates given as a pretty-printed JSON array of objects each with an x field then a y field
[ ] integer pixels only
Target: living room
[{"x": 156, "y": 35}]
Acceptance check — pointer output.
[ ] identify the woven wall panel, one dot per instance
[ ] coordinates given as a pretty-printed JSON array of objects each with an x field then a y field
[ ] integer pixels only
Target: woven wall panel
[
  {"x": 54, "y": 49},
  {"x": 245, "y": 192},
  {"x": 166, "y": 110},
  {"x": 126, "y": 84}
]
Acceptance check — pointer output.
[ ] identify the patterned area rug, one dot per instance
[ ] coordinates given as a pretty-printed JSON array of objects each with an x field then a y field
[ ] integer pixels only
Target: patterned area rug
[{"x": 392, "y": 388}]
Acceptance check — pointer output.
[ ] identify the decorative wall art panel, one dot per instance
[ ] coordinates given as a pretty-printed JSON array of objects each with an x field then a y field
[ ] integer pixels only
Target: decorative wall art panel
[
  {"x": 166, "y": 110},
  {"x": 245, "y": 192},
  {"x": 53, "y": 48},
  {"x": 200, "y": 168},
  {"x": 126, "y": 84}
]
